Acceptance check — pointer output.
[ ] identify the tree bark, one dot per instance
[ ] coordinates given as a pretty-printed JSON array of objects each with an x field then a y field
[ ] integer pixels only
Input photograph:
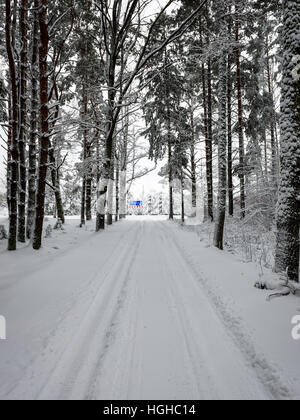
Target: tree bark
[
  {"x": 89, "y": 182},
  {"x": 44, "y": 135},
  {"x": 56, "y": 185},
  {"x": 14, "y": 152},
  {"x": 229, "y": 126},
  {"x": 222, "y": 149},
  {"x": 208, "y": 138},
  {"x": 83, "y": 200},
  {"x": 274, "y": 152},
  {"x": 288, "y": 209},
  {"x": 194, "y": 181},
  {"x": 171, "y": 202},
  {"x": 9, "y": 143},
  {"x": 240, "y": 112},
  {"x": 23, "y": 23},
  {"x": 117, "y": 189},
  {"x": 182, "y": 198},
  {"x": 31, "y": 188},
  {"x": 210, "y": 198}
]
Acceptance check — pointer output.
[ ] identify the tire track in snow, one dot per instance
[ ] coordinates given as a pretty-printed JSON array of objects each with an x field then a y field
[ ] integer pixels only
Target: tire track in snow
[
  {"x": 95, "y": 332},
  {"x": 112, "y": 330},
  {"x": 215, "y": 357},
  {"x": 202, "y": 388},
  {"x": 268, "y": 375},
  {"x": 59, "y": 382}
]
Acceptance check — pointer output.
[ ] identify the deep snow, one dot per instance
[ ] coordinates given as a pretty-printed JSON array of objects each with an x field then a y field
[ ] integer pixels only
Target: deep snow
[{"x": 144, "y": 310}]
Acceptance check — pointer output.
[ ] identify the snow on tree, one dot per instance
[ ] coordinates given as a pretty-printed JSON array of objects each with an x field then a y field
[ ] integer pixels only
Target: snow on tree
[
  {"x": 222, "y": 131},
  {"x": 288, "y": 211}
]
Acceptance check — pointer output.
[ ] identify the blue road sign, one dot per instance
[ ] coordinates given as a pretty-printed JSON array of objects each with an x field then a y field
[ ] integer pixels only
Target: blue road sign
[{"x": 136, "y": 203}]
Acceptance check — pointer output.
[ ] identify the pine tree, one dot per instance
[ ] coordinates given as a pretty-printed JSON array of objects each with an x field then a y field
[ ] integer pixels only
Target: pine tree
[
  {"x": 288, "y": 211},
  {"x": 222, "y": 132}
]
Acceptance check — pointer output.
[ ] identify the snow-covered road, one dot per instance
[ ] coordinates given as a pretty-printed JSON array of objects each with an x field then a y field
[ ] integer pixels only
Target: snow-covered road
[{"x": 123, "y": 315}]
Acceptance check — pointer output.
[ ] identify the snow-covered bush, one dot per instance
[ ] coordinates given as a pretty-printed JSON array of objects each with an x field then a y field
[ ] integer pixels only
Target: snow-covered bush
[
  {"x": 3, "y": 233},
  {"x": 48, "y": 231},
  {"x": 58, "y": 225}
]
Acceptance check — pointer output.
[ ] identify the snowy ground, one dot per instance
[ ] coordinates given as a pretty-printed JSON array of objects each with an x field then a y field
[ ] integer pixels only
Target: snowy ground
[{"x": 144, "y": 310}]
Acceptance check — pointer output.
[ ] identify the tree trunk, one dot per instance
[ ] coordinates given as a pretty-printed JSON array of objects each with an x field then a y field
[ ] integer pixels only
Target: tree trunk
[
  {"x": 110, "y": 147},
  {"x": 108, "y": 169},
  {"x": 117, "y": 189},
  {"x": 23, "y": 23},
  {"x": 110, "y": 199},
  {"x": 44, "y": 135},
  {"x": 171, "y": 202},
  {"x": 88, "y": 177},
  {"x": 101, "y": 203},
  {"x": 274, "y": 171},
  {"x": 210, "y": 197},
  {"x": 123, "y": 194},
  {"x": 240, "y": 113},
  {"x": 182, "y": 198},
  {"x": 222, "y": 161},
  {"x": 288, "y": 209},
  {"x": 14, "y": 151},
  {"x": 229, "y": 126},
  {"x": 194, "y": 181},
  {"x": 83, "y": 187},
  {"x": 9, "y": 144},
  {"x": 208, "y": 138},
  {"x": 89, "y": 182},
  {"x": 83, "y": 199},
  {"x": 55, "y": 183},
  {"x": 31, "y": 188}
]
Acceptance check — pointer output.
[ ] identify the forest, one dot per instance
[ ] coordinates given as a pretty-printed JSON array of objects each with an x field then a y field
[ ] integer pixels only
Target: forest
[{"x": 211, "y": 88}]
